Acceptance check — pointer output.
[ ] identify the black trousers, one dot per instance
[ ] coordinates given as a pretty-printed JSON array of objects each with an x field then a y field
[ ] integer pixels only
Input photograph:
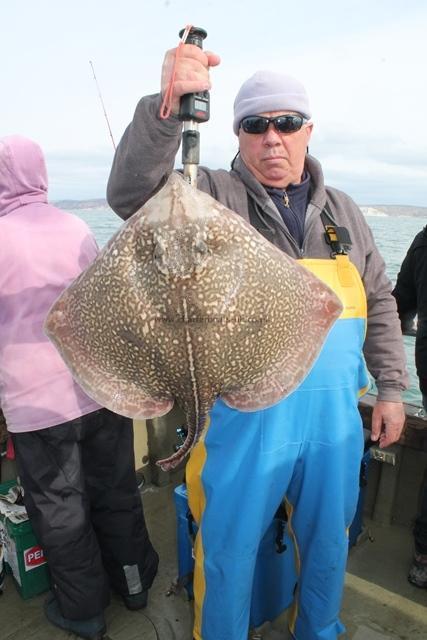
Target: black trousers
[
  {"x": 420, "y": 529},
  {"x": 85, "y": 508}
]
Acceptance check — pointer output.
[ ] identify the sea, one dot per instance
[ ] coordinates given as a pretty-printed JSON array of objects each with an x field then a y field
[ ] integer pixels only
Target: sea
[{"x": 393, "y": 236}]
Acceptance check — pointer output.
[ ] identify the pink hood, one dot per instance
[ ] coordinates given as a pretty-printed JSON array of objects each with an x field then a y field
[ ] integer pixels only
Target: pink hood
[
  {"x": 42, "y": 250},
  {"x": 23, "y": 175}
]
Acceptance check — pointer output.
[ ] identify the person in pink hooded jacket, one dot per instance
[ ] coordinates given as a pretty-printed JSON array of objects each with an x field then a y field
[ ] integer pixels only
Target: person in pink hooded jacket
[{"x": 75, "y": 459}]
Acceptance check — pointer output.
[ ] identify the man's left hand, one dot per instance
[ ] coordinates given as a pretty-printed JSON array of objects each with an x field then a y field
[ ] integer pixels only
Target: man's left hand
[{"x": 388, "y": 420}]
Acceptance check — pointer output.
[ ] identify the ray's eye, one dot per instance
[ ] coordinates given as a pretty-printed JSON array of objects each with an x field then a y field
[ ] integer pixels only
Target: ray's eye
[
  {"x": 159, "y": 258},
  {"x": 159, "y": 251},
  {"x": 201, "y": 247}
]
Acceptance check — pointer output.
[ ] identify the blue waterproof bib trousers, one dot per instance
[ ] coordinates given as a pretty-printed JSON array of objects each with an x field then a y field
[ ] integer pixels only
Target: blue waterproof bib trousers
[{"x": 308, "y": 448}]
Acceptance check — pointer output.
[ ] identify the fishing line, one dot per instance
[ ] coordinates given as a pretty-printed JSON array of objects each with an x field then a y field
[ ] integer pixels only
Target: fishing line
[{"x": 103, "y": 106}]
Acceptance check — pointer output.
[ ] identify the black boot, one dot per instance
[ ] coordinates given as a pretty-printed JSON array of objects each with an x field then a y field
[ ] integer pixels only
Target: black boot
[
  {"x": 91, "y": 629},
  {"x": 136, "y": 601}
]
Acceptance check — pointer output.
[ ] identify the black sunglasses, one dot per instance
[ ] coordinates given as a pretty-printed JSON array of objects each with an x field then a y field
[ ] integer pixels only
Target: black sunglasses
[{"x": 288, "y": 123}]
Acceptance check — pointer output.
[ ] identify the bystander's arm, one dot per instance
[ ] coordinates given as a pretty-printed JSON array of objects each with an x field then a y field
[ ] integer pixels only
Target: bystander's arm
[
  {"x": 405, "y": 293},
  {"x": 420, "y": 277}
]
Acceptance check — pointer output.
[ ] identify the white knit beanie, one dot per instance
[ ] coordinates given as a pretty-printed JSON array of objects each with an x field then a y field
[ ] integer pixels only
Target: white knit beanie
[{"x": 269, "y": 91}]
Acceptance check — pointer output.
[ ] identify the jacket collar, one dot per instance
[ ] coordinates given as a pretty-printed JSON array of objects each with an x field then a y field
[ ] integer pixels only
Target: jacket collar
[{"x": 260, "y": 195}]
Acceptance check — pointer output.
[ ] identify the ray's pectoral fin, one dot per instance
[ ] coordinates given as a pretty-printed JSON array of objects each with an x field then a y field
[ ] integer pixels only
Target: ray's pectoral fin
[
  {"x": 297, "y": 352},
  {"x": 126, "y": 399},
  {"x": 258, "y": 396},
  {"x": 101, "y": 381}
]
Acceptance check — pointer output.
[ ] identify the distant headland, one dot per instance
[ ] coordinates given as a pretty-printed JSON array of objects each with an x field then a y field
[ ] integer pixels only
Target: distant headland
[
  {"x": 392, "y": 210},
  {"x": 97, "y": 203}
]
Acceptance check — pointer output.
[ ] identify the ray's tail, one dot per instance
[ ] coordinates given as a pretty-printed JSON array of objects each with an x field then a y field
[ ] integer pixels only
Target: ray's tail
[{"x": 195, "y": 429}]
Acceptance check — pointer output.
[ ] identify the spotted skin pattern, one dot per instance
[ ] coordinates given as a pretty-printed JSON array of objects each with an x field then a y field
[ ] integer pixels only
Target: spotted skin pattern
[{"x": 186, "y": 303}]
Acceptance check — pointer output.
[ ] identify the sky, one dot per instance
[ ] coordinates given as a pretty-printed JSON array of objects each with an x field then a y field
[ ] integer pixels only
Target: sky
[{"x": 363, "y": 64}]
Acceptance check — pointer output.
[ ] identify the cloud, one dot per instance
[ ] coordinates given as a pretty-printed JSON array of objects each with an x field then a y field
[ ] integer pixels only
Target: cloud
[
  {"x": 362, "y": 63},
  {"x": 377, "y": 168}
]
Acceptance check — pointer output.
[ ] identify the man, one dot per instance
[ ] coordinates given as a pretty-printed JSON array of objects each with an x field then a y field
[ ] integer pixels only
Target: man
[
  {"x": 75, "y": 459},
  {"x": 411, "y": 297},
  {"x": 309, "y": 446}
]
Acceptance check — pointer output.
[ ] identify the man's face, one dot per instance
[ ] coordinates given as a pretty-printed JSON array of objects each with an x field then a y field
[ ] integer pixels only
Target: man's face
[{"x": 275, "y": 159}]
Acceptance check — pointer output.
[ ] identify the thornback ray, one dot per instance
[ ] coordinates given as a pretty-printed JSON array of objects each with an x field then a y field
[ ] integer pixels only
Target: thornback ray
[{"x": 188, "y": 303}]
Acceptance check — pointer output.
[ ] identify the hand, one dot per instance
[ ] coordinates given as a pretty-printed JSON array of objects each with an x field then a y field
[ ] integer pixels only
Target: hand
[
  {"x": 388, "y": 420},
  {"x": 191, "y": 71}
]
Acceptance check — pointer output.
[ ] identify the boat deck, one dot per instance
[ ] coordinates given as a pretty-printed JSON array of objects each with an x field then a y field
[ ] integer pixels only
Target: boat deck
[{"x": 379, "y": 603}]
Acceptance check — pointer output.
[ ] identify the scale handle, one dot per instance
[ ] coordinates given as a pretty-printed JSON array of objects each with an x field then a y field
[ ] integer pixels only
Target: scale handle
[{"x": 194, "y": 106}]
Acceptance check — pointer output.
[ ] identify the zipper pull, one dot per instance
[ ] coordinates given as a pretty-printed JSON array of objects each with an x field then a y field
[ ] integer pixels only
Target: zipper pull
[{"x": 285, "y": 199}]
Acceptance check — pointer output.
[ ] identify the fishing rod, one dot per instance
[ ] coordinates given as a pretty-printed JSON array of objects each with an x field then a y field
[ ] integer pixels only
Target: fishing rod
[
  {"x": 103, "y": 106},
  {"x": 194, "y": 108}
]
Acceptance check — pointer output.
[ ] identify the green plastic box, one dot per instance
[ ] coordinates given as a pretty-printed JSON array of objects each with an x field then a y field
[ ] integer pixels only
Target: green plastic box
[{"x": 24, "y": 556}]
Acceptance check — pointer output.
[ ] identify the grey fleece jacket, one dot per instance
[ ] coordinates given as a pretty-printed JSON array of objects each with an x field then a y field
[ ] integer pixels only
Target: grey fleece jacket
[{"x": 144, "y": 159}]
